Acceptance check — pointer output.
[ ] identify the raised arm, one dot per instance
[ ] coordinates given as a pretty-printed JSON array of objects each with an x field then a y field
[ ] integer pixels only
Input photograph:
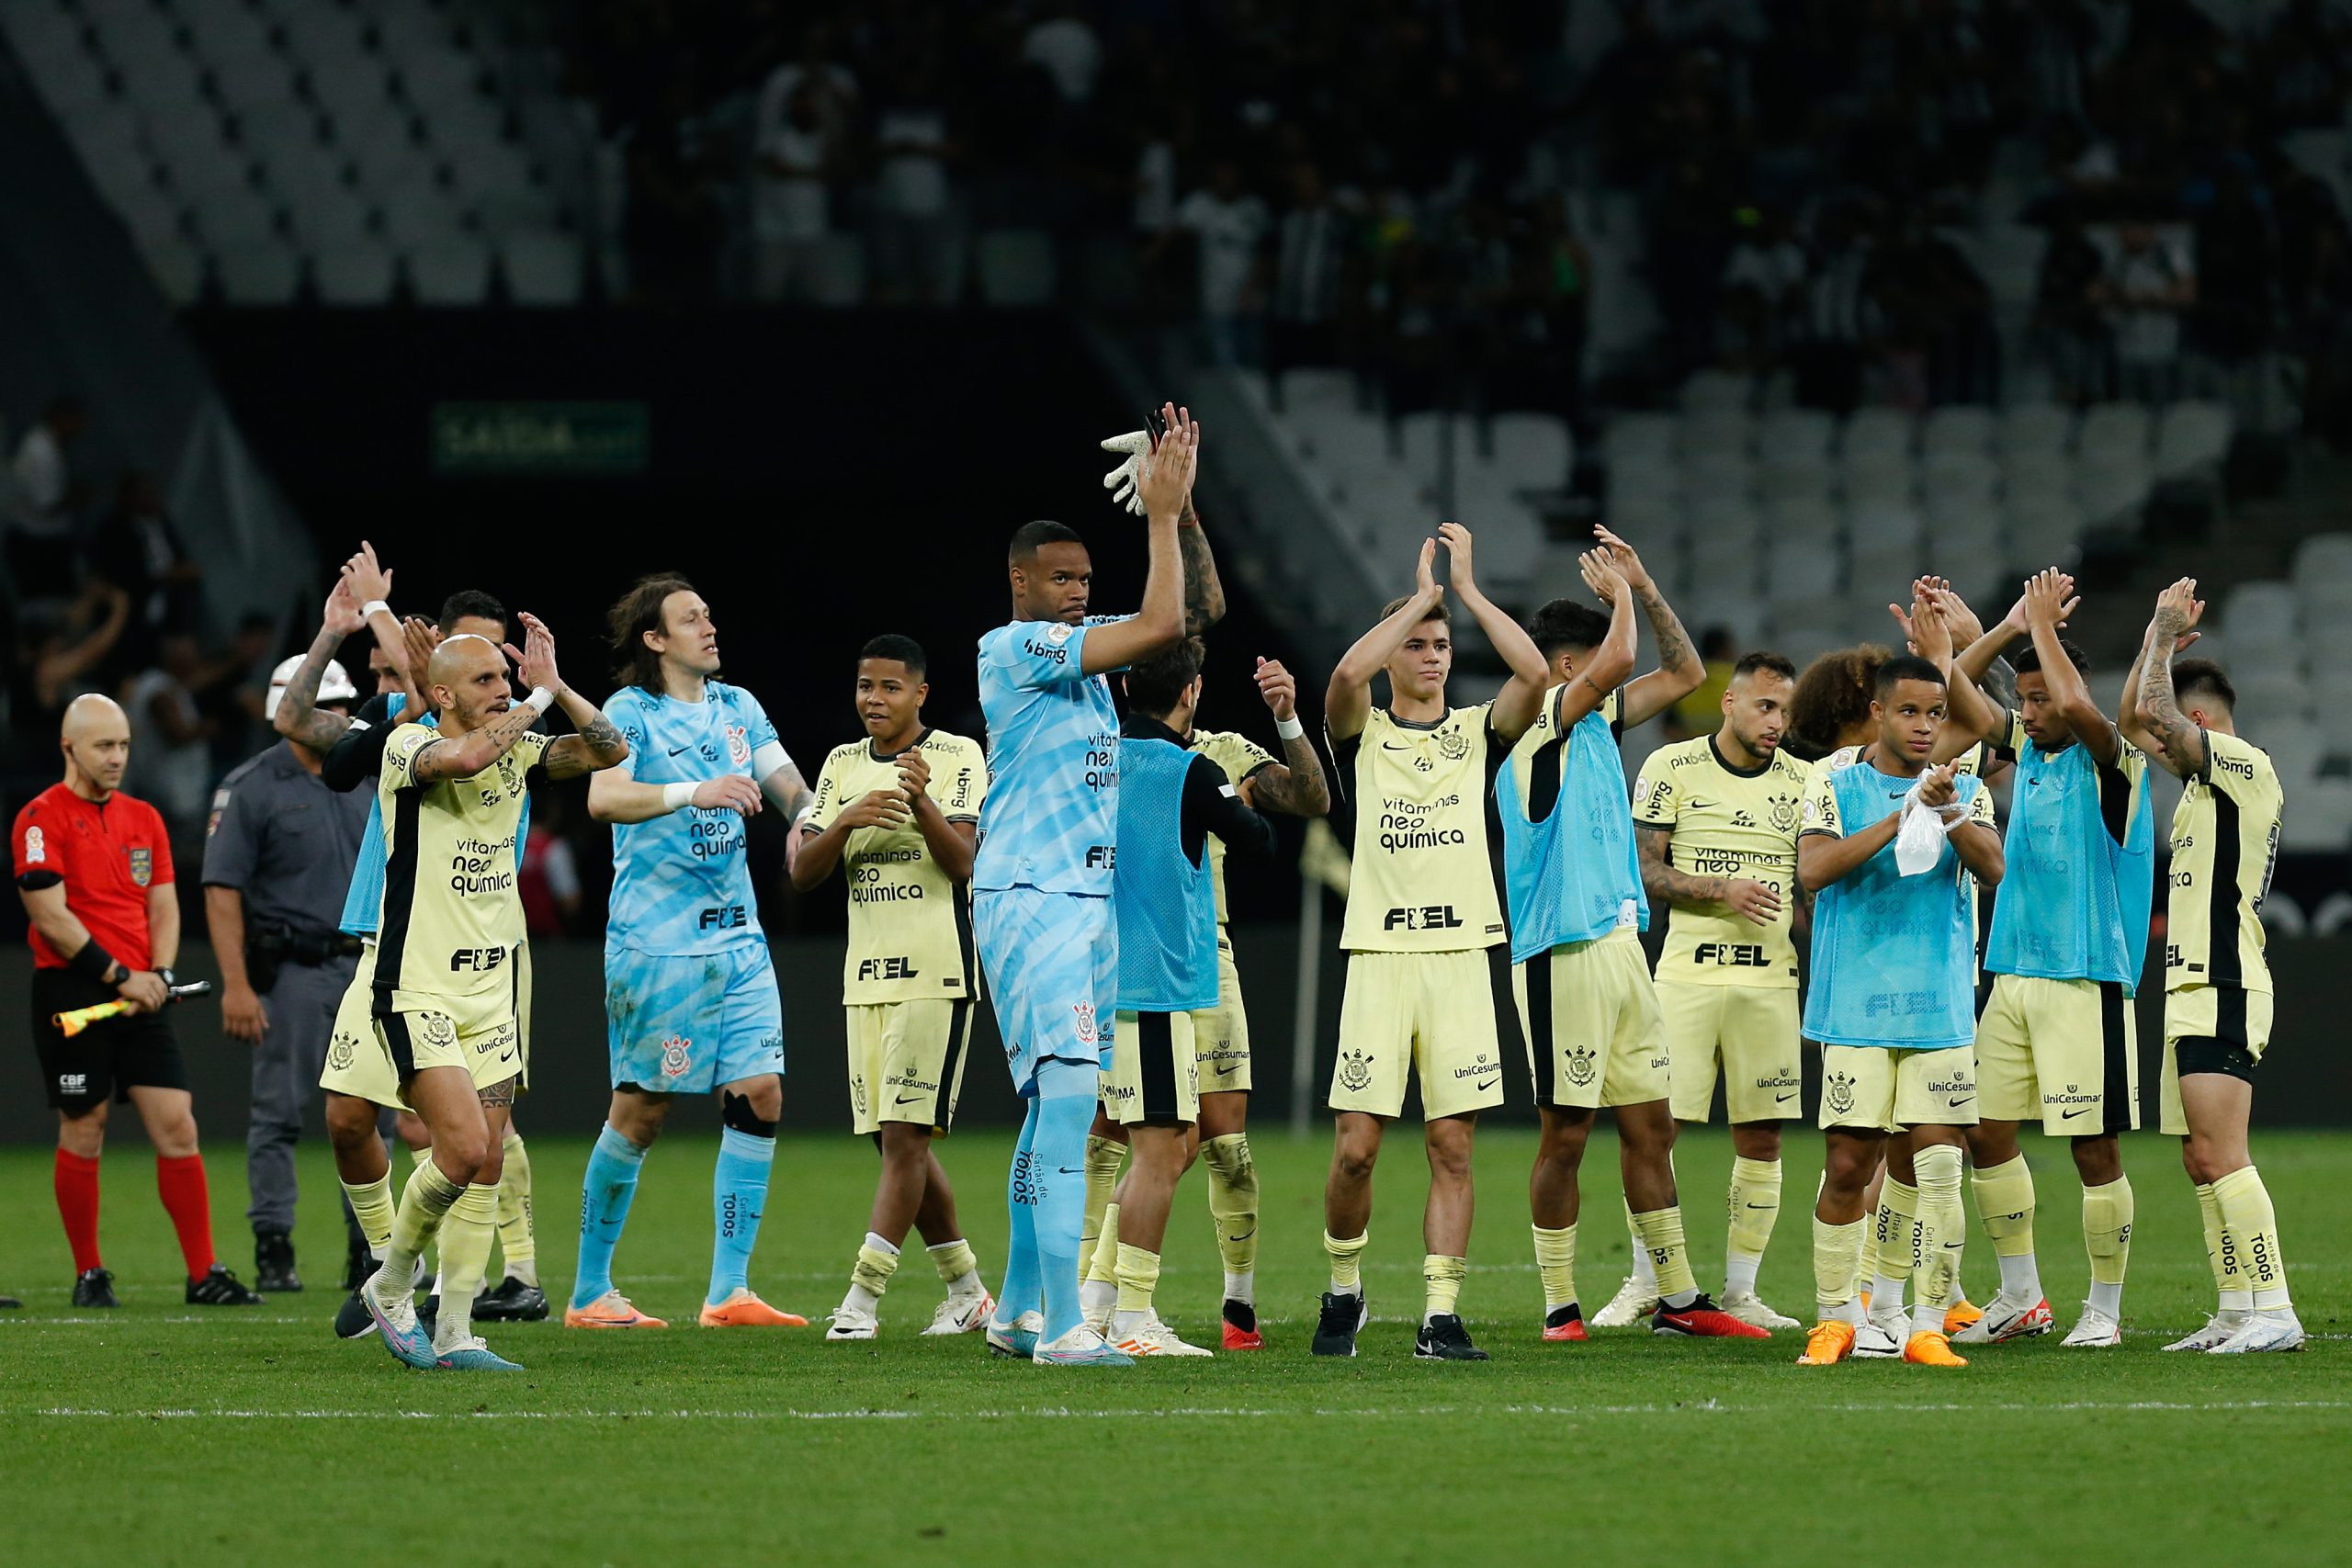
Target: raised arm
[
  {"x": 1204, "y": 594},
  {"x": 2179, "y": 742},
  {"x": 1680, "y": 671},
  {"x": 1296, "y": 786},
  {"x": 1347, "y": 701},
  {"x": 2046, "y": 599},
  {"x": 599, "y": 743},
  {"x": 1606, "y": 666},
  {"x": 1521, "y": 697},
  {"x": 1159, "y": 623},
  {"x": 298, "y": 716}
]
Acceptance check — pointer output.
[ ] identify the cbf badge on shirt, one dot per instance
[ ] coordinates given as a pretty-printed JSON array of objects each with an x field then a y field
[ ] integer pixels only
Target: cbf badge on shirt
[{"x": 142, "y": 866}]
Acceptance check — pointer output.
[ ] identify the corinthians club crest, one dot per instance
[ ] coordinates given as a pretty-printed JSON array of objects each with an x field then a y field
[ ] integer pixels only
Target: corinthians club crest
[
  {"x": 1838, "y": 1092},
  {"x": 1784, "y": 813},
  {"x": 1355, "y": 1070},
  {"x": 1453, "y": 745},
  {"x": 1580, "y": 1065}
]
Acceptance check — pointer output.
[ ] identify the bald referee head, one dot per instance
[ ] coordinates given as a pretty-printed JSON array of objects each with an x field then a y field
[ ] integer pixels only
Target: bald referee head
[{"x": 95, "y": 738}]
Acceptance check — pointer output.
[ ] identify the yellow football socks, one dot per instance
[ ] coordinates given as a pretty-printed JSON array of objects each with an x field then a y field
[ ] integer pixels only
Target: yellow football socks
[
  {"x": 2231, "y": 1291},
  {"x": 1233, "y": 1203},
  {"x": 2106, "y": 1236},
  {"x": 1441, "y": 1284},
  {"x": 466, "y": 1234},
  {"x": 1836, "y": 1257},
  {"x": 1344, "y": 1254},
  {"x": 1102, "y": 1158},
  {"x": 1894, "y": 1242},
  {"x": 517, "y": 1244},
  {"x": 955, "y": 1260},
  {"x": 2005, "y": 1201},
  {"x": 1755, "y": 1205},
  {"x": 2250, "y": 1230},
  {"x": 1139, "y": 1278},
  {"x": 1555, "y": 1261},
  {"x": 425, "y": 1204},
  {"x": 371, "y": 1204},
  {"x": 1941, "y": 1222},
  {"x": 1103, "y": 1263},
  {"x": 876, "y": 1261},
  {"x": 1661, "y": 1234}
]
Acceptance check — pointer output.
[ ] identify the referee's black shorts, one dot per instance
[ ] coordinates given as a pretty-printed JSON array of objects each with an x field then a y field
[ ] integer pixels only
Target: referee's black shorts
[{"x": 110, "y": 1057}]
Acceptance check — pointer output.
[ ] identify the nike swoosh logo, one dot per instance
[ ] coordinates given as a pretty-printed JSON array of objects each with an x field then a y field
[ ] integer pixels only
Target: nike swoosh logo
[
  {"x": 2079, "y": 1111},
  {"x": 1964, "y": 1101},
  {"x": 1071, "y": 1169},
  {"x": 1488, "y": 1083},
  {"x": 1228, "y": 1072},
  {"x": 1391, "y": 746},
  {"x": 909, "y": 1098},
  {"x": 1783, "y": 1099},
  {"x": 1245, "y": 1236},
  {"x": 688, "y": 747},
  {"x": 1763, "y": 1205}
]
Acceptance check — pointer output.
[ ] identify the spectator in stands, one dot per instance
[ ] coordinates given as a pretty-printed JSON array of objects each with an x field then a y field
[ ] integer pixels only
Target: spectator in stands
[
  {"x": 817, "y": 63},
  {"x": 548, "y": 880},
  {"x": 1062, "y": 43},
  {"x": 2068, "y": 323},
  {"x": 918, "y": 240},
  {"x": 1763, "y": 290},
  {"x": 671, "y": 226},
  {"x": 2145, "y": 291},
  {"x": 43, "y": 498},
  {"x": 1228, "y": 224},
  {"x": 169, "y": 733},
  {"x": 1840, "y": 315},
  {"x": 1311, "y": 245},
  {"x": 791, "y": 205},
  {"x": 68, "y": 648},
  {"x": 140, "y": 551}
]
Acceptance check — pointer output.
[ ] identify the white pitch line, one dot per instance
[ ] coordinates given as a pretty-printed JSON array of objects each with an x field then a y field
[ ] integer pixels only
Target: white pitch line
[{"x": 1205, "y": 1413}]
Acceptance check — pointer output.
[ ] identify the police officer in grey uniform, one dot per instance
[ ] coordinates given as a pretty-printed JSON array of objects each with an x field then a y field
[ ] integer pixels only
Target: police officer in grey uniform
[{"x": 278, "y": 859}]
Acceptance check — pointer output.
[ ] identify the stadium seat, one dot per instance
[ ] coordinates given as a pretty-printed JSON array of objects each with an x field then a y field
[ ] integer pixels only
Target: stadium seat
[
  {"x": 1421, "y": 434},
  {"x": 2193, "y": 440},
  {"x": 2113, "y": 431},
  {"x": 2296, "y": 753},
  {"x": 2034, "y": 427},
  {"x": 359, "y": 272},
  {"x": 1791, "y": 477},
  {"x": 2029, "y": 472},
  {"x": 543, "y": 267},
  {"x": 453, "y": 270},
  {"x": 1803, "y": 436},
  {"x": 1015, "y": 267},
  {"x": 2113, "y": 488},
  {"x": 1886, "y": 481},
  {"x": 328, "y": 219},
  {"x": 258, "y": 272},
  {"x": 1953, "y": 476},
  {"x": 2266, "y": 611},
  {"x": 1718, "y": 474},
  {"x": 1717, "y": 391},
  {"x": 1802, "y": 521},
  {"x": 1311, "y": 387},
  {"x": 1874, "y": 434},
  {"x": 176, "y": 267},
  {"x": 1715, "y": 432},
  {"x": 1532, "y": 450},
  {"x": 2319, "y": 818},
  {"x": 2047, "y": 528},
  {"x": 1803, "y": 569},
  {"x": 2324, "y": 558},
  {"x": 1958, "y": 429}
]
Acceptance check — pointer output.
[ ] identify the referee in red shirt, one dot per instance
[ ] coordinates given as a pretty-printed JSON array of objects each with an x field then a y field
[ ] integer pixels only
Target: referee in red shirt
[{"x": 94, "y": 868}]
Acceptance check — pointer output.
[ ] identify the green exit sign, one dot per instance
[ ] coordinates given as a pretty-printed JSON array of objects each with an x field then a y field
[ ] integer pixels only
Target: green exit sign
[{"x": 542, "y": 438}]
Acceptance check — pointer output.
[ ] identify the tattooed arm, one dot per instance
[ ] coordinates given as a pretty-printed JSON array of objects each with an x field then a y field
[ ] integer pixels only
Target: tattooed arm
[
  {"x": 1711, "y": 895},
  {"x": 298, "y": 718},
  {"x": 2179, "y": 740},
  {"x": 1680, "y": 671},
  {"x": 1293, "y": 787},
  {"x": 598, "y": 745},
  {"x": 1204, "y": 594}
]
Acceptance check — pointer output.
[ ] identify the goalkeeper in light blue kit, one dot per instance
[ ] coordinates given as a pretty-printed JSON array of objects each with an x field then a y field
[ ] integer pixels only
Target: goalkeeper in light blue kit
[
  {"x": 1041, "y": 876},
  {"x": 690, "y": 993}
]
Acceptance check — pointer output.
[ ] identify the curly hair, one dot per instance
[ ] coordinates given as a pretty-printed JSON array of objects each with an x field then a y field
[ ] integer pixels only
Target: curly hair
[{"x": 1833, "y": 696}]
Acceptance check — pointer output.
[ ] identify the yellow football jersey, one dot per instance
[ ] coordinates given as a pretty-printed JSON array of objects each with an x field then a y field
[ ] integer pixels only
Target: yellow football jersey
[
  {"x": 1727, "y": 822},
  {"x": 451, "y": 917},
  {"x": 1240, "y": 757},
  {"x": 2225, "y": 846},
  {"x": 1422, "y": 879},
  {"x": 910, "y": 925}
]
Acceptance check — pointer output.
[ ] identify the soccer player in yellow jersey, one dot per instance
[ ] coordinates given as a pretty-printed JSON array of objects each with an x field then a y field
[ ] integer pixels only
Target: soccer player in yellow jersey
[
  {"x": 2217, "y": 983},
  {"x": 1422, "y": 913},
  {"x": 1290, "y": 785},
  {"x": 1715, "y": 821},
  {"x": 898, "y": 810},
  {"x": 445, "y": 1039}
]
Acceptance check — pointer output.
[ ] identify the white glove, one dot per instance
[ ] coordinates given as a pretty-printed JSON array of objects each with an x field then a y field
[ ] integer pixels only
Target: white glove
[{"x": 1127, "y": 481}]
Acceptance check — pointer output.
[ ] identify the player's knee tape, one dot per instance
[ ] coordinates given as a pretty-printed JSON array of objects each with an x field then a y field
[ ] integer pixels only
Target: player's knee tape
[{"x": 735, "y": 1112}]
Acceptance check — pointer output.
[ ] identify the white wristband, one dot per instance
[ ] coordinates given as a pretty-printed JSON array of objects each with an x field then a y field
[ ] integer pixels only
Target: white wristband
[
  {"x": 540, "y": 700},
  {"x": 675, "y": 795},
  {"x": 1289, "y": 728},
  {"x": 369, "y": 610}
]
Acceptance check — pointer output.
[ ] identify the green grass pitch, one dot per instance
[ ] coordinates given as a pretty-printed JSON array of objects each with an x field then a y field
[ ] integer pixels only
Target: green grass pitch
[{"x": 158, "y": 1434}]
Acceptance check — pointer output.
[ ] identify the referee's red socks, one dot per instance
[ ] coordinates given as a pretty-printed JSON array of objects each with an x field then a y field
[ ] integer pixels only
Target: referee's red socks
[
  {"x": 181, "y": 1183},
  {"x": 77, "y": 1205}
]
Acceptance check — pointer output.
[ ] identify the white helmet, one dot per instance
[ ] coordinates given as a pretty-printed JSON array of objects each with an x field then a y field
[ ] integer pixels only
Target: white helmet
[{"x": 334, "y": 686}]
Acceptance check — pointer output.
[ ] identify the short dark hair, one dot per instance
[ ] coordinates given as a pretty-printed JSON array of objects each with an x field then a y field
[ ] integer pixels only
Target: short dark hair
[
  {"x": 1564, "y": 624},
  {"x": 2030, "y": 661},
  {"x": 1715, "y": 642},
  {"x": 2200, "y": 676},
  {"x": 1438, "y": 611},
  {"x": 633, "y": 614},
  {"x": 905, "y": 649},
  {"x": 1776, "y": 664},
  {"x": 1044, "y": 531},
  {"x": 1157, "y": 684},
  {"x": 470, "y": 604},
  {"x": 1904, "y": 667}
]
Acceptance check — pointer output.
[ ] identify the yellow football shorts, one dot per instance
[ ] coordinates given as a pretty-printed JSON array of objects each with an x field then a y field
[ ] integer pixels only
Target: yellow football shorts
[
  {"x": 2064, "y": 1052},
  {"x": 1154, "y": 1075},
  {"x": 381, "y": 1038},
  {"x": 1749, "y": 1035},
  {"x": 1430, "y": 1012},
  {"x": 1594, "y": 1034},
  {"x": 2208, "y": 1012},
  {"x": 1221, "y": 1034},
  {"x": 906, "y": 1062},
  {"x": 1887, "y": 1087}
]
